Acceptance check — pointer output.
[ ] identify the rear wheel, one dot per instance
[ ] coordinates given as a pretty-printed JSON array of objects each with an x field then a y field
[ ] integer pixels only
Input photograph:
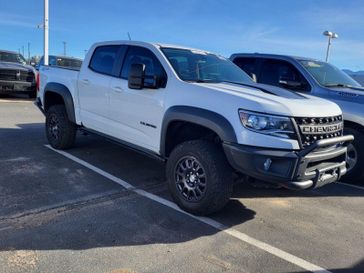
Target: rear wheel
[
  {"x": 355, "y": 156},
  {"x": 199, "y": 177},
  {"x": 60, "y": 131}
]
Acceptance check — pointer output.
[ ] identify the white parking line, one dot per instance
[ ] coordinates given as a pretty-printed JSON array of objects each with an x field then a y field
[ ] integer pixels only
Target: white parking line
[
  {"x": 352, "y": 186},
  {"x": 237, "y": 234}
]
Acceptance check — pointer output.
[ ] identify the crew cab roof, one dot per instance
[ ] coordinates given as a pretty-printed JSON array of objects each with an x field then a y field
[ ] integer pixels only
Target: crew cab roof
[
  {"x": 145, "y": 44},
  {"x": 271, "y": 56}
]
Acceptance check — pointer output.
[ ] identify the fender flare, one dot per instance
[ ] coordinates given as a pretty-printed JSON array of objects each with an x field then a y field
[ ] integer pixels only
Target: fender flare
[
  {"x": 64, "y": 92},
  {"x": 206, "y": 118}
]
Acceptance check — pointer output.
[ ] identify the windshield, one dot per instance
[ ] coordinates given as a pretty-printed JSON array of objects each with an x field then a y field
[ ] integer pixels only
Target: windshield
[
  {"x": 328, "y": 75},
  {"x": 12, "y": 58},
  {"x": 199, "y": 66}
]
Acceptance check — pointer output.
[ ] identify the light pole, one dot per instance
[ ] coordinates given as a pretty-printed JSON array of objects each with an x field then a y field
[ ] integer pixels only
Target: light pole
[
  {"x": 64, "y": 48},
  {"x": 330, "y": 35},
  {"x": 45, "y": 27}
]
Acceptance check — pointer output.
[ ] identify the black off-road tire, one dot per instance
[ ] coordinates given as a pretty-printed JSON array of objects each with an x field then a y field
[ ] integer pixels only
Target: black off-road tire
[
  {"x": 60, "y": 131},
  {"x": 218, "y": 176},
  {"x": 356, "y": 174}
]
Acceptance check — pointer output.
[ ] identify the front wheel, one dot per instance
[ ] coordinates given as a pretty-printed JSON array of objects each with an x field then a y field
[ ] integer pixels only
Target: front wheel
[
  {"x": 199, "y": 177},
  {"x": 60, "y": 131},
  {"x": 355, "y": 156}
]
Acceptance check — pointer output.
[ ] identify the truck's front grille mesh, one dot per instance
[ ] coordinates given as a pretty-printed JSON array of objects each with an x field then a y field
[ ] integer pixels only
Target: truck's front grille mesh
[
  {"x": 313, "y": 129},
  {"x": 16, "y": 75}
]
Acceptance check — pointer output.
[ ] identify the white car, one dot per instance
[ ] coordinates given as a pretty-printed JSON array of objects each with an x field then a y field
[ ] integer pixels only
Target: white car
[{"x": 198, "y": 112}]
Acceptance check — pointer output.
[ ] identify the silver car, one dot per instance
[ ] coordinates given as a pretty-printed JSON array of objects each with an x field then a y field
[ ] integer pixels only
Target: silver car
[{"x": 316, "y": 78}]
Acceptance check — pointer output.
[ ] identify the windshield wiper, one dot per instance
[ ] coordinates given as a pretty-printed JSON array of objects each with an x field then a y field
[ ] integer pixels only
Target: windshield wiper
[
  {"x": 252, "y": 86},
  {"x": 338, "y": 85},
  {"x": 205, "y": 81}
]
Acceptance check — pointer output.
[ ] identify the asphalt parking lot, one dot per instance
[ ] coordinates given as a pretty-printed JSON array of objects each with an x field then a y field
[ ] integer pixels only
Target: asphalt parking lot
[{"x": 71, "y": 212}]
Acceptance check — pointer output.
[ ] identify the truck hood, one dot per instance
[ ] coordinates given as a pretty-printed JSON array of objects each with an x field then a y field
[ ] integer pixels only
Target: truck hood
[
  {"x": 17, "y": 66},
  {"x": 274, "y": 100}
]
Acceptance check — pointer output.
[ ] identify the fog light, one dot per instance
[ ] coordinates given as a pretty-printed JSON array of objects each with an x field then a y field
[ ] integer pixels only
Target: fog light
[{"x": 267, "y": 164}]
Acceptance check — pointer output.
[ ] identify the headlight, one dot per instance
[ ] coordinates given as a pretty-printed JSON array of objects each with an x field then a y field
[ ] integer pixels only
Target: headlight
[{"x": 267, "y": 124}]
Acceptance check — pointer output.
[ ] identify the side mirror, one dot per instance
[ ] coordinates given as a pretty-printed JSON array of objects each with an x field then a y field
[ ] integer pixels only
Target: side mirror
[
  {"x": 136, "y": 76},
  {"x": 286, "y": 82}
]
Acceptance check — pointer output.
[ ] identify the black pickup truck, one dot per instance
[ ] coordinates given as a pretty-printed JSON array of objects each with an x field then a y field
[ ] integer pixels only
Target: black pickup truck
[{"x": 15, "y": 75}]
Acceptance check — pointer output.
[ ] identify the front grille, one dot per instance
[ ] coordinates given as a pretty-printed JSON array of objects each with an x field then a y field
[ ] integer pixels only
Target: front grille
[
  {"x": 16, "y": 75},
  {"x": 313, "y": 129}
]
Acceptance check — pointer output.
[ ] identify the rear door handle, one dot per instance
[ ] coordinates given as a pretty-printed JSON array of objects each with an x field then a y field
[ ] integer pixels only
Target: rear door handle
[{"x": 85, "y": 81}]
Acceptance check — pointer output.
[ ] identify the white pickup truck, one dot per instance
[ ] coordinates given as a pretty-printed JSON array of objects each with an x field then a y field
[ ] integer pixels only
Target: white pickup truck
[{"x": 198, "y": 112}]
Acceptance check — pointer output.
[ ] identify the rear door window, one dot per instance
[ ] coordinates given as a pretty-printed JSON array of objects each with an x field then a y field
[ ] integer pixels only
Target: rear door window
[{"x": 104, "y": 58}]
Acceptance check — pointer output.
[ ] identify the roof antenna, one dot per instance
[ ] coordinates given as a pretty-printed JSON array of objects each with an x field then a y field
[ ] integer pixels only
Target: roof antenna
[{"x": 129, "y": 36}]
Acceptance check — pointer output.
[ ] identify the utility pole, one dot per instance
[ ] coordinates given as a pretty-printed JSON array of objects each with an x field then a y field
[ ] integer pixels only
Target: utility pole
[
  {"x": 46, "y": 28},
  {"x": 28, "y": 52},
  {"x": 64, "y": 48}
]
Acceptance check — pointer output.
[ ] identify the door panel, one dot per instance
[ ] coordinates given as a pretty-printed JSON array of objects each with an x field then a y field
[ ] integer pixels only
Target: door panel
[
  {"x": 93, "y": 86},
  {"x": 136, "y": 115}
]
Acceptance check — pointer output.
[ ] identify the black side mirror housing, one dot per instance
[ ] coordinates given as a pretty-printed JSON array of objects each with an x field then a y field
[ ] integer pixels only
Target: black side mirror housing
[{"x": 136, "y": 76}]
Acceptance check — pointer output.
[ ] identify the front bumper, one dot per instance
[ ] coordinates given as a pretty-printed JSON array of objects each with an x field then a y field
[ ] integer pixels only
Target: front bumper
[
  {"x": 16, "y": 86},
  {"x": 321, "y": 163}
]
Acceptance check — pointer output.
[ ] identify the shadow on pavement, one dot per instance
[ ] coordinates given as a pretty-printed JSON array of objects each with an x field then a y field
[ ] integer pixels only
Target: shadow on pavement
[
  {"x": 15, "y": 97},
  {"x": 37, "y": 177}
]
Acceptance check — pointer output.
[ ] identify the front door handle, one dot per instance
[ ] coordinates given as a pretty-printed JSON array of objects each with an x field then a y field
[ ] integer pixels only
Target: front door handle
[
  {"x": 85, "y": 81},
  {"x": 117, "y": 89}
]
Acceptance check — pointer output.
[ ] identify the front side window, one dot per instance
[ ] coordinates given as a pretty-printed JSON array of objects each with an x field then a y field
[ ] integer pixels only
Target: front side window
[
  {"x": 104, "y": 58},
  {"x": 153, "y": 68},
  {"x": 282, "y": 74},
  {"x": 248, "y": 65},
  {"x": 12, "y": 58},
  {"x": 200, "y": 66},
  {"x": 327, "y": 74}
]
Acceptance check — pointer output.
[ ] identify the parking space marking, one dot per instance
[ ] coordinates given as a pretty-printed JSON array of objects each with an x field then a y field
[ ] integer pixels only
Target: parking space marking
[
  {"x": 16, "y": 100},
  {"x": 232, "y": 232},
  {"x": 352, "y": 186}
]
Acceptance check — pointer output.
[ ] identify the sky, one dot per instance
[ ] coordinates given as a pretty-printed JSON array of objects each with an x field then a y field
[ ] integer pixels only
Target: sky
[{"x": 281, "y": 26}]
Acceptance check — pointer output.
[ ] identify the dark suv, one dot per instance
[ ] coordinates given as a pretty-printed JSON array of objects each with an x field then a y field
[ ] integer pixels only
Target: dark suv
[{"x": 15, "y": 75}]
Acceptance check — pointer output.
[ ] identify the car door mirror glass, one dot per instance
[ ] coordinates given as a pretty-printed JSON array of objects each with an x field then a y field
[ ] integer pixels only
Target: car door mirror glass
[{"x": 136, "y": 76}]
